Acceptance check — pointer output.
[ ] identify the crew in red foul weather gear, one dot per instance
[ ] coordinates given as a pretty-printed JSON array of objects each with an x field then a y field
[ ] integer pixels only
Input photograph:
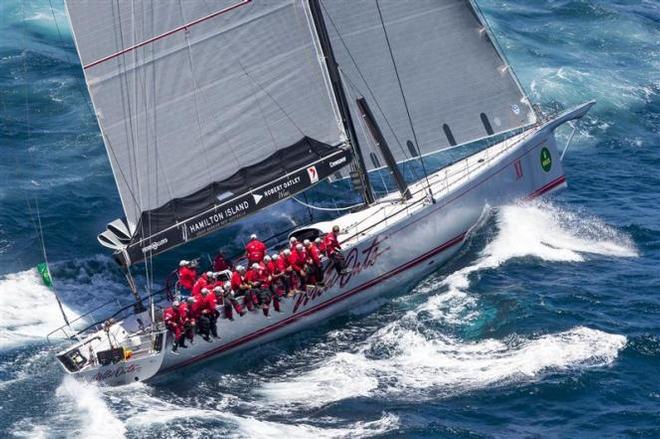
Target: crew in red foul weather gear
[
  {"x": 203, "y": 282},
  {"x": 187, "y": 275},
  {"x": 220, "y": 262},
  {"x": 197, "y": 314},
  {"x": 229, "y": 301},
  {"x": 289, "y": 264},
  {"x": 314, "y": 261},
  {"x": 173, "y": 323},
  {"x": 333, "y": 250},
  {"x": 255, "y": 250},
  {"x": 299, "y": 261},
  {"x": 186, "y": 321},
  {"x": 241, "y": 287},
  {"x": 320, "y": 245}
]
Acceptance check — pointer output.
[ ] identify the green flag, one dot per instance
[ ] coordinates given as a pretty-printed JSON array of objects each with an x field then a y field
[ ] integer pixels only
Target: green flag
[{"x": 42, "y": 268}]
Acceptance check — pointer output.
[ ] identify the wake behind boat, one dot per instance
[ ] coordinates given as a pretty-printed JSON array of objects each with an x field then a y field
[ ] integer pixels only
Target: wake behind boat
[{"x": 276, "y": 97}]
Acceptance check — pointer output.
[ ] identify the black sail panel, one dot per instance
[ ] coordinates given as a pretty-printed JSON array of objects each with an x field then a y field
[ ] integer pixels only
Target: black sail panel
[{"x": 276, "y": 178}]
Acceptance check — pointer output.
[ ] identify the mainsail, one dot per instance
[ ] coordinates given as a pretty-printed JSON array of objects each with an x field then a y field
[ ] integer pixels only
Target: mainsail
[
  {"x": 428, "y": 69},
  {"x": 209, "y": 111}
]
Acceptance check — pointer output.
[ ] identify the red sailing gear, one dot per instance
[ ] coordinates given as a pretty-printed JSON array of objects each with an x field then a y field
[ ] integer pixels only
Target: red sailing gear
[
  {"x": 321, "y": 246},
  {"x": 187, "y": 277},
  {"x": 220, "y": 263},
  {"x": 252, "y": 276},
  {"x": 197, "y": 307},
  {"x": 202, "y": 282},
  {"x": 171, "y": 319},
  {"x": 331, "y": 243},
  {"x": 236, "y": 281},
  {"x": 211, "y": 303},
  {"x": 255, "y": 251},
  {"x": 314, "y": 253}
]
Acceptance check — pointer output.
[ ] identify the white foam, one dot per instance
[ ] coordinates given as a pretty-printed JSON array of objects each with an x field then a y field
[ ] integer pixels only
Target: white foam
[
  {"x": 28, "y": 309},
  {"x": 93, "y": 415},
  {"x": 251, "y": 427},
  {"x": 407, "y": 358}
]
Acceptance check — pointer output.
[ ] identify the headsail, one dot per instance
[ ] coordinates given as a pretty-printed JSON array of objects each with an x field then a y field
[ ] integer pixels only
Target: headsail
[
  {"x": 432, "y": 60},
  {"x": 209, "y": 111}
]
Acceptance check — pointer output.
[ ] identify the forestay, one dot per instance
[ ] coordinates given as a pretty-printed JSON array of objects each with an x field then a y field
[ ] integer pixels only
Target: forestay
[
  {"x": 453, "y": 81},
  {"x": 202, "y": 106}
]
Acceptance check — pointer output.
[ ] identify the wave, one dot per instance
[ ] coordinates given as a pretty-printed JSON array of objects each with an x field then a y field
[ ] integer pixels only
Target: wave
[
  {"x": 28, "y": 309},
  {"x": 409, "y": 358}
]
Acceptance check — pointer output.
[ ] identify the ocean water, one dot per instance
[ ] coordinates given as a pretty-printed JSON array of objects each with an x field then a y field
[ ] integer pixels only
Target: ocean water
[{"x": 547, "y": 324}]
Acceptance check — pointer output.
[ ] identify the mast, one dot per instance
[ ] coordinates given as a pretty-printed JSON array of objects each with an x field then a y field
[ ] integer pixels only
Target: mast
[
  {"x": 335, "y": 77},
  {"x": 384, "y": 148}
]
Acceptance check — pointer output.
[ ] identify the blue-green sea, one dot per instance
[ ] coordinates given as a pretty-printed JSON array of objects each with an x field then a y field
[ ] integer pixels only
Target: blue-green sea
[{"x": 547, "y": 324}]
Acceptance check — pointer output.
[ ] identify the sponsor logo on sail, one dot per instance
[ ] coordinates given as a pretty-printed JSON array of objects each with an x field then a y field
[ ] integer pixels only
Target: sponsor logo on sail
[
  {"x": 154, "y": 245},
  {"x": 282, "y": 190},
  {"x": 313, "y": 174},
  {"x": 337, "y": 162}
]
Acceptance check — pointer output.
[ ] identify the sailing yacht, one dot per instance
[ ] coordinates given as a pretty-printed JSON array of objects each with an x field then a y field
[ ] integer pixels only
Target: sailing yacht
[{"x": 213, "y": 111}]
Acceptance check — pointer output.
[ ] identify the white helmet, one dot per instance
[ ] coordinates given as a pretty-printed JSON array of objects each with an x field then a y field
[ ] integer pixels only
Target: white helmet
[
  {"x": 267, "y": 258},
  {"x": 176, "y": 303},
  {"x": 275, "y": 256},
  {"x": 255, "y": 266},
  {"x": 218, "y": 289},
  {"x": 205, "y": 290},
  {"x": 183, "y": 263},
  {"x": 191, "y": 299},
  {"x": 286, "y": 252},
  {"x": 228, "y": 285},
  {"x": 299, "y": 247},
  {"x": 253, "y": 236},
  {"x": 306, "y": 242},
  {"x": 318, "y": 240},
  {"x": 240, "y": 268},
  {"x": 293, "y": 239}
]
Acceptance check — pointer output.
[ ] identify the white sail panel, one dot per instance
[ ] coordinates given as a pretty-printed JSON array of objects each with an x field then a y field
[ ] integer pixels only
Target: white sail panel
[
  {"x": 456, "y": 85},
  {"x": 188, "y": 93}
]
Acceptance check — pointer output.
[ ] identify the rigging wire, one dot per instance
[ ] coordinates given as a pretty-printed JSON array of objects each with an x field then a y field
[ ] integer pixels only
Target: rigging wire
[
  {"x": 326, "y": 209},
  {"x": 38, "y": 226},
  {"x": 403, "y": 95}
]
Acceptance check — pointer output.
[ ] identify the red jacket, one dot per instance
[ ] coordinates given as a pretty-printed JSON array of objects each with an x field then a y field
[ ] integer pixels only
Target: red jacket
[
  {"x": 271, "y": 268},
  {"x": 202, "y": 282},
  {"x": 236, "y": 281},
  {"x": 331, "y": 243},
  {"x": 298, "y": 259},
  {"x": 197, "y": 307},
  {"x": 171, "y": 316},
  {"x": 211, "y": 302},
  {"x": 184, "y": 314},
  {"x": 187, "y": 277},
  {"x": 314, "y": 254},
  {"x": 255, "y": 251},
  {"x": 220, "y": 263}
]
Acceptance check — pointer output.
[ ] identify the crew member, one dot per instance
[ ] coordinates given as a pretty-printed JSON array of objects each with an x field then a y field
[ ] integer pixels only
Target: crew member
[
  {"x": 299, "y": 261},
  {"x": 204, "y": 281},
  {"x": 187, "y": 275},
  {"x": 210, "y": 310},
  {"x": 172, "y": 322},
  {"x": 229, "y": 301},
  {"x": 187, "y": 321},
  {"x": 314, "y": 260},
  {"x": 220, "y": 262},
  {"x": 196, "y": 313},
  {"x": 293, "y": 241},
  {"x": 241, "y": 287},
  {"x": 333, "y": 250},
  {"x": 281, "y": 272},
  {"x": 289, "y": 264},
  {"x": 260, "y": 280},
  {"x": 255, "y": 250},
  {"x": 320, "y": 245}
]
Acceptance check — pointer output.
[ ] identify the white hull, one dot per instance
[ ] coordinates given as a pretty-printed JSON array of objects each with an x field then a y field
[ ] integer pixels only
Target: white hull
[{"x": 397, "y": 243}]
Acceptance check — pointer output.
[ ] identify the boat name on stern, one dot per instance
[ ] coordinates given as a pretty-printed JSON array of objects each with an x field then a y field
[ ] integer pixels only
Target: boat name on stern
[{"x": 122, "y": 369}]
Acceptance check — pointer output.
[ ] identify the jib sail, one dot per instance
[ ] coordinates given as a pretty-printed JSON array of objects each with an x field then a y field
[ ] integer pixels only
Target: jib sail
[
  {"x": 209, "y": 111},
  {"x": 428, "y": 69}
]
